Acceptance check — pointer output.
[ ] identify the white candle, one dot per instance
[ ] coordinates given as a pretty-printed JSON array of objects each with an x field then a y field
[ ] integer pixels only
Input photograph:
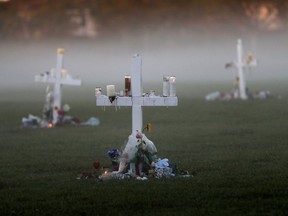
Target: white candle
[
  {"x": 172, "y": 82},
  {"x": 63, "y": 73},
  {"x": 98, "y": 91},
  {"x": 111, "y": 90},
  {"x": 121, "y": 93},
  {"x": 166, "y": 87}
]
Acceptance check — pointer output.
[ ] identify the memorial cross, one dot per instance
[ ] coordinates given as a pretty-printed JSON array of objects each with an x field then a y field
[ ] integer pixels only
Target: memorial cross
[
  {"x": 240, "y": 64},
  {"x": 61, "y": 77},
  {"x": 137, "y": 99}
]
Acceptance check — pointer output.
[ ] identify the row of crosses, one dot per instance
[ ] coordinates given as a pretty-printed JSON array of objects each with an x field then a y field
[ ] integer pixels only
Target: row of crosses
[{"x": 60, "y": 78}]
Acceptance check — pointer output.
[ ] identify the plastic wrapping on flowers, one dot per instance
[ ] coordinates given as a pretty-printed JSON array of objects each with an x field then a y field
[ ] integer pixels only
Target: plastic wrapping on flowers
[{"x": 139, "y": 161}]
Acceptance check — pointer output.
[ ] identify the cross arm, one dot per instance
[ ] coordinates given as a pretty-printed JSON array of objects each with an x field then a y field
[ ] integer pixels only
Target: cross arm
[
  {"x": 103, "y": 100},
  {"x": 64, "y": 81}
]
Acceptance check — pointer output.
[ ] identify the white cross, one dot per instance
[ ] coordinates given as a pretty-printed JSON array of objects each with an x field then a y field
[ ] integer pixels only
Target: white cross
[
  {"x": 59, "y": 78},
  {"x": 240, "y": 64},
  {"x": 137, "y": 99}
]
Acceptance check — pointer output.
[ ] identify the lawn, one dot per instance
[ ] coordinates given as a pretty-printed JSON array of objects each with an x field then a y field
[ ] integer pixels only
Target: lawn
[{"x": 236, "y": 151}]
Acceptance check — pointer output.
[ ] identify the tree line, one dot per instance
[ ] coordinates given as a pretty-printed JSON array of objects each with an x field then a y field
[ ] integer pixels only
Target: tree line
[{"x": 45, "y": 18}]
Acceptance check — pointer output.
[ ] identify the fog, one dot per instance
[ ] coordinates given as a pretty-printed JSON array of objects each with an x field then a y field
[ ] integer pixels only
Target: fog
[{"x": 193, "y": 58}]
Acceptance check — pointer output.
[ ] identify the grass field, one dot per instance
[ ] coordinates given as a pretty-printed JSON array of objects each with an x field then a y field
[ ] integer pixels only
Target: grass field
[{"x": 236, "y": 150}]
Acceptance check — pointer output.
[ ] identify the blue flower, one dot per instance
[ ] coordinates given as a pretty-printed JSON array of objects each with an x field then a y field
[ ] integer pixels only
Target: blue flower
[{"x": 113, "y": 153}]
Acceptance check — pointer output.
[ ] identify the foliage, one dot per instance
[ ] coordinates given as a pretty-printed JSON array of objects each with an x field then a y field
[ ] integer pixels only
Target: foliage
[{"x": 45, "y": 18}]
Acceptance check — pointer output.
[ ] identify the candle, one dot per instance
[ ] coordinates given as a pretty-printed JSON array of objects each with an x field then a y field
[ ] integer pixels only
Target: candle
[
  {"x": 98, "y": 91},
  {"x": 127, "y": 85},
  {"x": 111, "y": 92},
  {"x": 172, "y": 83},
  {"x": 152, "y": 93},
  {"x": 121, "y": 93},
  {"x": 63, "y": 73},
  {"x": 166, "y": 86}
]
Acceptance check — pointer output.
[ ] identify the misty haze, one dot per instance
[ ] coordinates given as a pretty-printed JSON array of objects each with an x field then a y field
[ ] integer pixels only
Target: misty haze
[
  {"x": 190, "y": 40},
  {"x": 200, "y": 58}
]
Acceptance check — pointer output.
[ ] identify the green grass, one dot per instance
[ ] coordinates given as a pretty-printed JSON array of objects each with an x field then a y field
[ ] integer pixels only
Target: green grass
[{"x": 236, "y": 150}]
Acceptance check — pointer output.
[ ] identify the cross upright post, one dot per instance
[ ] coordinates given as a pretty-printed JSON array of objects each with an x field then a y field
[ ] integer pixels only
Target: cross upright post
[
  {"x": 137, "y": 115},
  {"x": 241, "y": 63},
  {"x": 61, "y": 77},
  {"x": 57, "y": 84}
]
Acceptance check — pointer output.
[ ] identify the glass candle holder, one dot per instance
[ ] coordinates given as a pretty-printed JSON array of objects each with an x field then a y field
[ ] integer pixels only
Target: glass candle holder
[
  {"x": 172, "y": 83},
  {"x": 166, "y": 86},
  {"x": 127, "y": 85}
]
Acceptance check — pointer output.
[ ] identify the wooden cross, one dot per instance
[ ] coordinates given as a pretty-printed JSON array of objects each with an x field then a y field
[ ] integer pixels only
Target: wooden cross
[
  {"x": 137, "y": 100},
  {"x": 240, "y": 64},
  {"x": 61, "y": 77}
]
